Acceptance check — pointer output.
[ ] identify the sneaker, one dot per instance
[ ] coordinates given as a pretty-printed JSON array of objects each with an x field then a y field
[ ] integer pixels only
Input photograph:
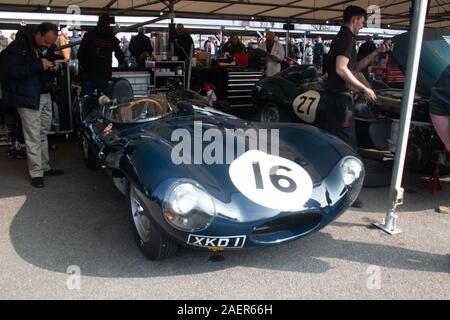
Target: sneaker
[
  {"x": 53, "y": 172},
  {"x": 358, "y": 203},
  {"x": 37, "y": 182}
]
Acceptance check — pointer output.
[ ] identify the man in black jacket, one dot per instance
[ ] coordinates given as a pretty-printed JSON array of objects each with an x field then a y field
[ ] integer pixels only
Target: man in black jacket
[
  {"x": 95, "y": 57},
  {"x": 366, "y": 48},
  {"x": 140, "y": 44},
  {"x": 183, "y": 43},
  {"x": 28, "y": 67}
]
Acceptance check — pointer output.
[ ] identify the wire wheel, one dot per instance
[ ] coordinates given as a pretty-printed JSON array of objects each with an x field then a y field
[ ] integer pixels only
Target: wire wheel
[
  {"x": 140, "y": 219},
  {"x": 270, "y": 113}
]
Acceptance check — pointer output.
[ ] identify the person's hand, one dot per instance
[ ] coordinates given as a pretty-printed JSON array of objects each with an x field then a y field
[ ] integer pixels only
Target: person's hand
[
  {"x": 385, "y": 47},
  {"x": 46, "y": 64},
  {"x": 56, "y": 66},
  {"x": 370, "y": 95}
]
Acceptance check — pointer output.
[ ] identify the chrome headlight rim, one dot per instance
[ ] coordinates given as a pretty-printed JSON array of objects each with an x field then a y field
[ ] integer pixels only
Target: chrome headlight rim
[{"x": 175, "y": 219}]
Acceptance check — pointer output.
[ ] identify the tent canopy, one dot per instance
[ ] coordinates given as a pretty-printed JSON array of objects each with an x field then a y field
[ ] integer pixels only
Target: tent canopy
[{"x": 394, "y": 13}]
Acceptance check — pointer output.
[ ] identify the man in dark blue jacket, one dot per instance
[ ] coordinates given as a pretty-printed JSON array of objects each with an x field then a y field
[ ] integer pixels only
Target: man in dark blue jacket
[
  {"x": 183, "y": 43},
  {"x": 28, "y": 66},
  {"x": 318, "y": 51},
  {"x": 140, "y": 44}
]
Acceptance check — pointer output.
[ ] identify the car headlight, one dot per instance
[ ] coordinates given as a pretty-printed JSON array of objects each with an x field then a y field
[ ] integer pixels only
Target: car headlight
[
  {"x": 352, "y": 171},
  {"x": 188, "y": 207}
]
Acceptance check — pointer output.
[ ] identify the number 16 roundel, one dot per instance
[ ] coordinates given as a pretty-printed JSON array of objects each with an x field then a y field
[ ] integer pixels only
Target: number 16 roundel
[{"x": 271, "y": 181}]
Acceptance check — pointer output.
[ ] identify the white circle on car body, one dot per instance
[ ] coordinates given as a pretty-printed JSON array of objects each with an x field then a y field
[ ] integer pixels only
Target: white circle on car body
[
  {"x": 271, "y": 181},
  {"x": 305, "y": 106}
]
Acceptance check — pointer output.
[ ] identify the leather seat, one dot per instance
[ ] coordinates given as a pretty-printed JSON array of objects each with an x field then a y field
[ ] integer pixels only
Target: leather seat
[{"x": 120, "y": 89}]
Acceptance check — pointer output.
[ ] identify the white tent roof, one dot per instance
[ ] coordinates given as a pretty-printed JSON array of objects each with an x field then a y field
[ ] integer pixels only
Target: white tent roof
[{"x": 395, "y": 13}]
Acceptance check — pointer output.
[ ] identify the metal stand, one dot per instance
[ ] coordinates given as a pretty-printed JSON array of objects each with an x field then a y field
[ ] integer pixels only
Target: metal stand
[
  {"x": 389, "y": 227},
  {"x": 389, "y": 224},
  {"x": 189, "y": 75}
]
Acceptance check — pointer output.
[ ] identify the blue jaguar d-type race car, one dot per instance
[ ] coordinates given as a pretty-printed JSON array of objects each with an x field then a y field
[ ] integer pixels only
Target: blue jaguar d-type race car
[{"x": 197, "y": 177}]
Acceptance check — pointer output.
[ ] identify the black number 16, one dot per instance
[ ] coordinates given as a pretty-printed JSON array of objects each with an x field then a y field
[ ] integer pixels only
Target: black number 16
[{"x": 274, "y": 178}]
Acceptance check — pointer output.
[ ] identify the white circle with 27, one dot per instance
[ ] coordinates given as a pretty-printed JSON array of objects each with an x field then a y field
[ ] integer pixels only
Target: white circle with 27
[
  {"x": 271, "y": 181},
  {"x": 305, "y": 106}
]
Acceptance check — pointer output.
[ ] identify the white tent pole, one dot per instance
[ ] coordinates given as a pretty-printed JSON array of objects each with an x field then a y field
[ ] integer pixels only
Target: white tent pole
[{"x": 389, "y": 224}]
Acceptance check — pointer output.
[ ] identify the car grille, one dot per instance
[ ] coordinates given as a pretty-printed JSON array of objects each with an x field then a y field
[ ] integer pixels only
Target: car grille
[{"x": 299, "y": 224}]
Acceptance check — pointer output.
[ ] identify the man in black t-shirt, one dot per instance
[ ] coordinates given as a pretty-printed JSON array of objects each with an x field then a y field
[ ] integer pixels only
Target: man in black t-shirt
[
  {"x": 440, "y": 107},
  {"x": 341, "y": 81},
  {"x": 95, "y": 56}
]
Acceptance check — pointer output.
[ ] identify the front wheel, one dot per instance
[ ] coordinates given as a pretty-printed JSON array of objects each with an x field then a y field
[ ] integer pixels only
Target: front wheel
[
  {"x": 153, "y": 244},
  {"x": 89, "y": 156},
  {"x": 417, "y": 154},
  {"x": 270, "y": 112}
]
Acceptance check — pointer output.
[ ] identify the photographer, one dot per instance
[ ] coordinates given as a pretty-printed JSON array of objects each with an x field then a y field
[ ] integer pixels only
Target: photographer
[{"x": 28, "y": 66}]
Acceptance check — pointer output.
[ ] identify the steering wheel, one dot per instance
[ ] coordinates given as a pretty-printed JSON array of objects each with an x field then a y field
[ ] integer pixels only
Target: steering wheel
[{"x": 133, "y": 104}]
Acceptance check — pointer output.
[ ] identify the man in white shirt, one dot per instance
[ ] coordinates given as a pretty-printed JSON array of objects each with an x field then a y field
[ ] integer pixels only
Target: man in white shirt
[
  {"x": 309, "y": 54},
  {"x": 276, "y": 54}
]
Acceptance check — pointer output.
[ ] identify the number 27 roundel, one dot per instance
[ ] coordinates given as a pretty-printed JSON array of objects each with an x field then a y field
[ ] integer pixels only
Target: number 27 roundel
[
  {"x": 271, "y": 181},
  {"x": 305, "y": 106}
]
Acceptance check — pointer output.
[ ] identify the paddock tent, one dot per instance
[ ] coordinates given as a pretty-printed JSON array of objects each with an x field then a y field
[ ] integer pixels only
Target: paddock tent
[{"x": 394, "y": 13}]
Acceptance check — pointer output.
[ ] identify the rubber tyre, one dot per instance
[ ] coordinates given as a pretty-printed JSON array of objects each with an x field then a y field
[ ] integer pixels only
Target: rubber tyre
[
  {"x": 378, "y": 173},
  {"x": 89, "y": 156},
  {"x": 417, "y": 155},
  {"x": 157, "y": 246}
]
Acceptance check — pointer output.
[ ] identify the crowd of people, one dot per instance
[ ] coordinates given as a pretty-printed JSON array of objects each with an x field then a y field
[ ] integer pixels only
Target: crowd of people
[
  {"x": 137, "y": 48},
  {"x": 296, "y": 51}
]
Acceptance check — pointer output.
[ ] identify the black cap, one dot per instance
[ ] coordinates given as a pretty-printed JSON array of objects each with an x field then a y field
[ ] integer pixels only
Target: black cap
[{"x": 105, "y": 20}]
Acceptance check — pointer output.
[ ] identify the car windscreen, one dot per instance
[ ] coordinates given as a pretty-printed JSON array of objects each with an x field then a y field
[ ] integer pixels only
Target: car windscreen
[{"x": 137, "y": 110}]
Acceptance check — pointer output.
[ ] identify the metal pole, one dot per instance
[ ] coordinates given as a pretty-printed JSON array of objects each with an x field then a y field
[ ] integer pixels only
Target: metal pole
[
  {"x": 287, "y": 41},
  {"x": 304, "y": 48},
  {"x": 191, "y": 53},
  {"x": 171, "y": 28},
  {"x": 389, "y": 224}
]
